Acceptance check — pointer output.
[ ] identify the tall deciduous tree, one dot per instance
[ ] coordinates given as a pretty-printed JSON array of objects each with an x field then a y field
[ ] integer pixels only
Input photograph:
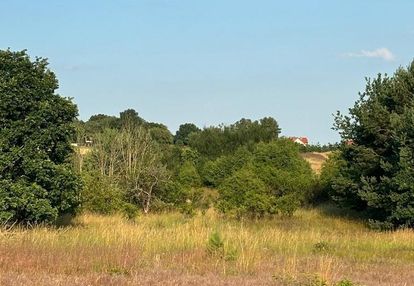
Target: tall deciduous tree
[
  {"x": 377, "y": 176},
  {"x": 36, "y": 124},
  {"x": 131, "y": 159},
  {"x": 141, "y": 169}
]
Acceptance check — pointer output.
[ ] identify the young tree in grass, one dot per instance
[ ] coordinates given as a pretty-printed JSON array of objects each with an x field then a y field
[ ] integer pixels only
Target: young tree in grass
[
  {"x": 378, "y": 170},
  {"x": 37, "y": 183}
]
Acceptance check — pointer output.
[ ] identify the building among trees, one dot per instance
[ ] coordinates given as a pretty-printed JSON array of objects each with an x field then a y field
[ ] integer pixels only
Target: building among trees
[{"x": 300, "y": 140}]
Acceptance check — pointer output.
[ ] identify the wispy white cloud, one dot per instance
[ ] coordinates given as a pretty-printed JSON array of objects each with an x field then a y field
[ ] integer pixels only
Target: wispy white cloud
[{"x": 381, "y": 53}]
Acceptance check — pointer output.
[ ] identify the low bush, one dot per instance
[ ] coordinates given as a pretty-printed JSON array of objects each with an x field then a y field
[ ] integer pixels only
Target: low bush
[{"x": 215, "y": 244}]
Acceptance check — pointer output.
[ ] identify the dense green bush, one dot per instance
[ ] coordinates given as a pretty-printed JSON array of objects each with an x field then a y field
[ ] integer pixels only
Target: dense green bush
[
  {"x": 329, "y": 173},
  {"x": 215, "y": 171},
  {"x": 244, "y": 194},
  {"x": 101, "y": 195},
  {"x": 272, "y": 179},
  {"x": 286, "y": 205},
  {"x": 173, "y": 194},
  {"x": 284, "y": 171},
  {"x": 188, "y": 175}
]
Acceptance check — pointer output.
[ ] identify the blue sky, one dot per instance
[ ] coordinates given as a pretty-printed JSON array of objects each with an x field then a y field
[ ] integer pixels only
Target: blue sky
[{"x": 211, "y": 62}]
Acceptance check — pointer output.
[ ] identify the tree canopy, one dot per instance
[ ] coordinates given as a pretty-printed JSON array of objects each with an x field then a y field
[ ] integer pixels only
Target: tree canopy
[
  {"x": 215, "y": 141},
  {"x": 36, "y": 183},
  {"x": 183, "y": 133},
  {"x": 376, "y": 175}
]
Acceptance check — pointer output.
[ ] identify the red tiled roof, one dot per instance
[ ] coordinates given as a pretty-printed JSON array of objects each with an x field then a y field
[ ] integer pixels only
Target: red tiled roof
[{"x": 304, "y": 140}]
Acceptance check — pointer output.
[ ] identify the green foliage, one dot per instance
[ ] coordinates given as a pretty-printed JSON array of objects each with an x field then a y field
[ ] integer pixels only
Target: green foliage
[
  {"x": 213, "y": 142},
  {"x": 319, "y": 148},
  {"x": 185, "y": 130},
  {"x": 131, "y": 161},
  {"x": 188, "y": 210},
  {"x": 376, "y": 177},
  {"x": 215, "y": 171},
  {"x": 217, "y": 248},
  {"x": 272, "y": 179},
  {"x": 100, "y": 194},
  {"x": 329, "y": 173},
  {"x": 215, "y": 245},
  {"x": 129, "y": 210},
  {"x": 98, "y": 123},
  {"x": 130, "y": 117},
  {"x": 278, "y": 180},
  {"x": 188, "y": 175},
  {"x": 160, "y": 134},
  {"x": 189, "y": 155},
  {"x": 173, "y": 194},
  {"x": 127, "y": 119},
  {"x": 280, "y": 166},
  {"x": 200, "y": 198},
  {"x": 36, "y": 181},
  {"x": 345, "y": 282},
  {"x": 243, "y": 194},
  {"x": 286, "y": 205}
]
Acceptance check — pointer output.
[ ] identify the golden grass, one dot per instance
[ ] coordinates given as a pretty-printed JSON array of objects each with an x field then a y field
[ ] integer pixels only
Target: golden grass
[
  {"x": 316, "y": 159},
  {"x": 169, "y": 249}
]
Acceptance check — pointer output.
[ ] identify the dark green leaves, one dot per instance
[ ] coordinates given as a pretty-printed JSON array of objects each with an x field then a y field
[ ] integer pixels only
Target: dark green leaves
[
  {"x": 377, "y": 174},
  {"x": 36, "y": 127}
]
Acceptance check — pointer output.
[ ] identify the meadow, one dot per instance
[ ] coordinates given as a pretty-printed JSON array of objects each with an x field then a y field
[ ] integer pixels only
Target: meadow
[{"x": 317, "y": 246}]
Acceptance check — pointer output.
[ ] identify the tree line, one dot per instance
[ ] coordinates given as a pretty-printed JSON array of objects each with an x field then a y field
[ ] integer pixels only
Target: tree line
[
  {"x": 242, "y": 169},
  {"x": 139, "y": 169}
]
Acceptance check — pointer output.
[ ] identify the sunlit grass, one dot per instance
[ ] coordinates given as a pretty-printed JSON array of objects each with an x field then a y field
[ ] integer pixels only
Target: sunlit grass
[{"x": 311, "y": 242}]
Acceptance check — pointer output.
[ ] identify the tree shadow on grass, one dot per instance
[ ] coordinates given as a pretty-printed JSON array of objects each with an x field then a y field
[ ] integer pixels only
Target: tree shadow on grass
[
  {"x": 332, "y": 210},
  {"x": 67, "y": 221}
]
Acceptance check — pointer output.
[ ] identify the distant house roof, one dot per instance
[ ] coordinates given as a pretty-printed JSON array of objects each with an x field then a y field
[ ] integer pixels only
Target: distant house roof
[
  {"x": 300, "y": 140},
  {"x": 349, "y": 142}
]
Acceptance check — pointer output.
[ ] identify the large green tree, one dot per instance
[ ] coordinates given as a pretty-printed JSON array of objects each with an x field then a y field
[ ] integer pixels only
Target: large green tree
[
  {"x": 183, "y": 133},
  {"x": 36, "y": 182},
  {"x": 377, "y": 169}
]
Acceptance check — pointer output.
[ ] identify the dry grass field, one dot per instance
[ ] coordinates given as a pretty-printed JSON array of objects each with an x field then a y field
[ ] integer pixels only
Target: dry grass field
[
  {"x": 316, "y": 159},
  {"x": 311, "y": 248}
]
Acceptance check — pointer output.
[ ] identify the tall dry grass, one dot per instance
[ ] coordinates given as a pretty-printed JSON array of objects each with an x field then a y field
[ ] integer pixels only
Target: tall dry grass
[{"x": 170, "y": 249}]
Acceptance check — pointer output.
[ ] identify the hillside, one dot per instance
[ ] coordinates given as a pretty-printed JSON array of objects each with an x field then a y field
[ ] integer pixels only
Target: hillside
[{"x": 316, "y": 159}]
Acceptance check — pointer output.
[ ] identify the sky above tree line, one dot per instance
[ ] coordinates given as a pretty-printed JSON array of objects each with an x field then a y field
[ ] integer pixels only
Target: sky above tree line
[{"x": 212, "y": 62}]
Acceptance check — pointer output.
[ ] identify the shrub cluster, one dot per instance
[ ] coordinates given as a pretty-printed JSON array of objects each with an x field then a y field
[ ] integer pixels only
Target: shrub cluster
[{"x": 272, "y": 179}]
